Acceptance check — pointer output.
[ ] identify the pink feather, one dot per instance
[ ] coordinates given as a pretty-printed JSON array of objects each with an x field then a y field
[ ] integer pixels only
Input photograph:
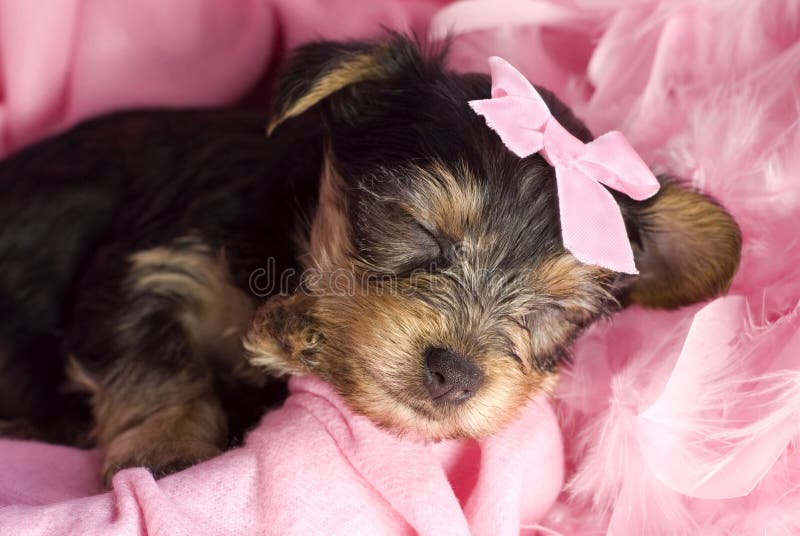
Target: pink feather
[{"x": 666, "y": 413}]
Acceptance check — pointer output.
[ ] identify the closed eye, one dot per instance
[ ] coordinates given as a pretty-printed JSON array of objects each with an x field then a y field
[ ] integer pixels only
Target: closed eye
[
  {"x": 440, "y": 259},
  {"x": 415, "y": 251},
  {"x": 393, "y": 243}
]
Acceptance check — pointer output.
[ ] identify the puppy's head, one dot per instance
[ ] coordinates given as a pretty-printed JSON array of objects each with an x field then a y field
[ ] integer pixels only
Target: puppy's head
[{"x": 439, "y": 296}]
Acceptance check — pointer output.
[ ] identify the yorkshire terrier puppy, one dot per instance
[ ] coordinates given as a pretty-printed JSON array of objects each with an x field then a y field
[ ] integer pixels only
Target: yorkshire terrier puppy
[{"x": 420, "y": 263}]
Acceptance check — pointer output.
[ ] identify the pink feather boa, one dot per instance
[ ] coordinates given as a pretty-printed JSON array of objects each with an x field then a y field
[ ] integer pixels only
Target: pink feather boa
[{"x": 683, "y": 422}]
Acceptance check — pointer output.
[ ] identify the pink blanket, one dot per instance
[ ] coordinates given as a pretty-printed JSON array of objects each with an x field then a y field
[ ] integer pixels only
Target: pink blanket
[
  {"x": 682, "y": 422},
  {"x": 309, "y": 466},
  {"x": 78, "y": 58}
]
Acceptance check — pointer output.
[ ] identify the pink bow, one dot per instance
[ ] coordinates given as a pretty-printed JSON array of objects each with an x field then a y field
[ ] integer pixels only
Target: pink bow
[{"x": 591, "y": 221}]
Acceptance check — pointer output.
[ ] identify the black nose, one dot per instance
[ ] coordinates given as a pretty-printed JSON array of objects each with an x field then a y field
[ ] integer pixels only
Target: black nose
[{"x": 450, "y": 377}]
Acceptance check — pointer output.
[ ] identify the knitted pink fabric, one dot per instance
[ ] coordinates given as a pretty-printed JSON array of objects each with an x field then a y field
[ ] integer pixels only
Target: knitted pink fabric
[
  {"x": 63, "y": 62},
  {"x": 310, "y": 467}
]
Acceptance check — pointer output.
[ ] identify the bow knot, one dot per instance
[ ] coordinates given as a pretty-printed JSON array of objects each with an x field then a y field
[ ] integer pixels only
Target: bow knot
[{"x": 592, "y": 227}]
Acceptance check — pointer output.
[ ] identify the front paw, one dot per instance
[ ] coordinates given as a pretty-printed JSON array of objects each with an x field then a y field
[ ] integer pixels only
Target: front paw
[
  {"x": 284, "y": 337},
  {"x": 160, "y": 458},
  {"x": 19, "y": 429},
  {"x": 168, "y": 440}
]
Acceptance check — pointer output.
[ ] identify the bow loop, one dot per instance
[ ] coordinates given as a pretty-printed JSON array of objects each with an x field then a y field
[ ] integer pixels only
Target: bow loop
[
  {"x": 506, "y": 80},
  {"x": 626, "y": 171},
  {"x": 511, "y": 118},
  {"x": 592, "y": 227}
]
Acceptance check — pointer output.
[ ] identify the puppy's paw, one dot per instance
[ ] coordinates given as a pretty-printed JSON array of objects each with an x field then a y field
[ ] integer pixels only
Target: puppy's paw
[
  {"x": 160, "y": 458},
  {"x": 19, "y": 429},
  {"x": 168, "y": 440},
  {"x": 284, "y": 337}
]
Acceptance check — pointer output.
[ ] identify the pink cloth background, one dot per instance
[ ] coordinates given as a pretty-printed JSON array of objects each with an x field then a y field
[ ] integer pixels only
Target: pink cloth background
[
  {"x": 310, "y": 467},
  {"x": 63, "y": 62},
  {"x": 681, "y": 422}
]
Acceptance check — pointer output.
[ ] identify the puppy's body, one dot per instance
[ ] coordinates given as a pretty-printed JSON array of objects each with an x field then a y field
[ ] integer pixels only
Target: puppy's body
[
  {"x": 112, "y": 235},
  {"x": 437, "y": 296}
]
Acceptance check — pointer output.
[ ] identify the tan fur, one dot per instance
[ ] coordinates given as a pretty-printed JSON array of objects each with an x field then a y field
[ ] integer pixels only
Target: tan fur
[
  {"x": 373, "y": 354},
  {"x": 373, "y": 340},
  {"x": 367, "y": 66},
  {"x": 571, "y": 283},
  {"x": 77, "y": 377},
  {"x": 549, "y": 331},
  {"x": 169, "y": 439},
  {"x": 691, "y": 251},
  {"x": 445, "y": 202},
  {"x": 328, "y": 245},
  {"x": 283, "y": 338},
  {"x": 216, "y": 314},
  {"x": 167, "y": 421},
  {"x": 580, "y": 291},
  {"x": 144, "y": 418},
  {"x": 369, "y": 339}
]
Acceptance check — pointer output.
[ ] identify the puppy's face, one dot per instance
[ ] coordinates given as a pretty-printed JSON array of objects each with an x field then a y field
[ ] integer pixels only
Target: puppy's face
[{"x": 439, "y": 297}]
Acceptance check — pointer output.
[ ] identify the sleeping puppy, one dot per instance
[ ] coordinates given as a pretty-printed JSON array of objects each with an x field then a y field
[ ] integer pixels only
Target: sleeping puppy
[{"x": 159, "y": 266}]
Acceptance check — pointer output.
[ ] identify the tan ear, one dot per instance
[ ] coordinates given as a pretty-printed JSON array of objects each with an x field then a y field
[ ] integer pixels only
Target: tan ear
[
  {"x": 688, "y": 248},
  {"x": 318, "y": 70},
  {"x": 283, "y": 337}
]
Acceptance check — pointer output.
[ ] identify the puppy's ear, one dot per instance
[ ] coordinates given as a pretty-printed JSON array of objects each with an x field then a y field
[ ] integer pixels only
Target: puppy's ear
[
  {"x": 320, "y": 69},
  {"x": 686, "y": 248}
]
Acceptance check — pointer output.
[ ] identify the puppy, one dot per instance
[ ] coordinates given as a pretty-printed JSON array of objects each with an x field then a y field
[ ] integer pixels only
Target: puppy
[{"x": 382, "y": 237}]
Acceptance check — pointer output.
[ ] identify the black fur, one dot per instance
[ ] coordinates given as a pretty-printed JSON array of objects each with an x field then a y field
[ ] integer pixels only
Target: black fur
[{"x": 74, "y": 206}]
